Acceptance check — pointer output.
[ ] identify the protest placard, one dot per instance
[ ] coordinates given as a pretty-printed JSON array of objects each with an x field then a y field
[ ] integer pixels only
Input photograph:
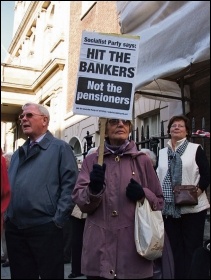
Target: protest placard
[{"x": 106, "y": 75}]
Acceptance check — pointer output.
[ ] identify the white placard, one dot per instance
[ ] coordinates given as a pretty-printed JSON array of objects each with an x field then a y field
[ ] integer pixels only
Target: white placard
[{"x": 106, "y": 75}]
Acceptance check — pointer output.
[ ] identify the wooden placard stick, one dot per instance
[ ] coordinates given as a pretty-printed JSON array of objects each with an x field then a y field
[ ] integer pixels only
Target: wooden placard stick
[{"x": 102, "y": 138}]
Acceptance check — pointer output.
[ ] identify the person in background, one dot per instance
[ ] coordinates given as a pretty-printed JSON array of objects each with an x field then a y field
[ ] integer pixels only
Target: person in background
[
  {"x": 5, "y": 189},
  {"x": 6, "y": 263},
  {"x": 42, "y": 174},
  {"x": 108, "y": 194},
  {"x": 200, "y": 265},
  {"x": 151, "y": 155},
  {"x": 183, "y": 163},
  {"x": 67, "y": 237},
  {"x": 78, "y": 222},
  {"x": 92, "y": 150},
  {"x": 4, "y": 199},
  {"x": 79, "y": 162},
  {"x": 8, "y": 157}
]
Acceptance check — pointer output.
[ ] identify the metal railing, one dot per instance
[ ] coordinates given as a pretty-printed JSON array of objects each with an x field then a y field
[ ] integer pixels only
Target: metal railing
[{"x": 154, "y": 143}]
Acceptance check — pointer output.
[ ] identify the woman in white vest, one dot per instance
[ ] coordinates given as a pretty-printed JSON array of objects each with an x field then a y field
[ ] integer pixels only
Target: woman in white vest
[{"x": 183, "y": 163}]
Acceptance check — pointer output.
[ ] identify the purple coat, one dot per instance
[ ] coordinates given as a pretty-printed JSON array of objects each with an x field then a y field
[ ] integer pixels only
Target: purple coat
[{"x": 108, "y": 244}]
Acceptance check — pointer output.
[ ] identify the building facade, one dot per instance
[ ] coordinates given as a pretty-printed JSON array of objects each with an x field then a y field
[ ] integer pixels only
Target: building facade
[{"x": 43, "y": 62}]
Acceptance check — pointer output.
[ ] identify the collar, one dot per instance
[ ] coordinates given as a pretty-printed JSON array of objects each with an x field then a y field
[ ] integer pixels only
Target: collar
[
  {"x": 178, "y": 143},
  {"x": 38, "y": 139}
]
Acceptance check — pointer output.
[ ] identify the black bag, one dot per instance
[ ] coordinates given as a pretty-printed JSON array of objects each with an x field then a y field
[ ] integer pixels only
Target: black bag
[
  {"x": 200, "y": 265},
  {"x": 185, "y": 195}
]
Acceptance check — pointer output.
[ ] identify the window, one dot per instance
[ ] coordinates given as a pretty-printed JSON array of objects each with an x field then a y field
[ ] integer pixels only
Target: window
[{"x": 154, "y": 125}]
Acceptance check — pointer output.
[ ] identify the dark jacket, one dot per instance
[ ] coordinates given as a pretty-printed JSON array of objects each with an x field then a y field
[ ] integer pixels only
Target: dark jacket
[{"x": 42, "y": 183}]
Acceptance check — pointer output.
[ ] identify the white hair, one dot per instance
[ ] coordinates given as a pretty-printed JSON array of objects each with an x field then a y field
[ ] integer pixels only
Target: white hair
[
  {"x": 42, "y": 109},
  {"x": 92, "y": 150},
  {"x": 151, "y": 155},
  {"x": 8, "y": 157}
]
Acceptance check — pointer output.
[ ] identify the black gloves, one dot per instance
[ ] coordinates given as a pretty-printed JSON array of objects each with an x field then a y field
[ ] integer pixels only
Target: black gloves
[
  {"x": 97, "y": 176},
  {"x": 134, "y": 190}
]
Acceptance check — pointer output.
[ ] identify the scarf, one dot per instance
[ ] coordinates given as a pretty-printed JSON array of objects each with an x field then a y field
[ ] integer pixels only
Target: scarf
[
  {"x": 173, "y": 177},
  {"x": 117, "y": 150}
]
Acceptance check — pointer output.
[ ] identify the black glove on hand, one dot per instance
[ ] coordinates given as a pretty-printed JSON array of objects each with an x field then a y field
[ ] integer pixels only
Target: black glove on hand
[
  {"x": 97, "y": 176},
  {"x": 134, "y": 190}
]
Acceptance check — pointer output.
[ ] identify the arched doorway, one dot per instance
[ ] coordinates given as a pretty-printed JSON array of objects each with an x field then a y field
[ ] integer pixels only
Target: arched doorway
[{"x": 77, "y": 148}]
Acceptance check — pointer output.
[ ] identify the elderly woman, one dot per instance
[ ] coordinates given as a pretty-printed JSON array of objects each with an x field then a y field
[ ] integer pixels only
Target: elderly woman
[
  {"x": 108, "y": 193},
  {"x": 183, "y": 163}
]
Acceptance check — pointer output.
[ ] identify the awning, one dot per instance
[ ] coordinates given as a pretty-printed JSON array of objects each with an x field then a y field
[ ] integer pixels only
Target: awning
[{"x": 174, "y": 39}]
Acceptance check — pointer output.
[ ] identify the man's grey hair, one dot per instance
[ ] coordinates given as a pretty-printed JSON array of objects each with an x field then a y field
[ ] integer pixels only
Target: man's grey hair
[{"x": 42, "y": 109}]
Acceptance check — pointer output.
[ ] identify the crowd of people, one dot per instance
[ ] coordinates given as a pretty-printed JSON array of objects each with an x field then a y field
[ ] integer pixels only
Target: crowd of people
[{"x": 53, "y": 213}]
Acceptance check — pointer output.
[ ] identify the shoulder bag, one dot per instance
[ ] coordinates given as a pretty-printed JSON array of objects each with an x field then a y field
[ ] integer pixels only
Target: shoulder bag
[{"x": 185, "y": 195}]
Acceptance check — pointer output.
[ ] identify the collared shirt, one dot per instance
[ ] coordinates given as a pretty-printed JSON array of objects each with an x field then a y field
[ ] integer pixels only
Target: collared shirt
[{"x": 37, "y": 141}]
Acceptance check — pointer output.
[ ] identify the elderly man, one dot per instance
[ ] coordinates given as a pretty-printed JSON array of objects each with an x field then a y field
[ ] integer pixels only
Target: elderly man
[{"x": 42, "y": 174}]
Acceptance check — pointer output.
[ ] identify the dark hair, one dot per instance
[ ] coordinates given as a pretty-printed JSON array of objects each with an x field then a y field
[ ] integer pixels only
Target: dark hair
[{"x": 180, "y": 118}]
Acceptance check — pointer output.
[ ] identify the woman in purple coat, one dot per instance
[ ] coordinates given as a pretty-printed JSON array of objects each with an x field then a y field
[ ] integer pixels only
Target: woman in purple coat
[{"x": 108, "y": 194}]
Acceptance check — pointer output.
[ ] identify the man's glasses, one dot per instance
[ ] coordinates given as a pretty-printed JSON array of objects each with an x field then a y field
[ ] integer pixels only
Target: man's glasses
[
  {"x": 116, "y": 122},
  {"x": 28, "y": 115},
  {"x": 179, "y": 125}
]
